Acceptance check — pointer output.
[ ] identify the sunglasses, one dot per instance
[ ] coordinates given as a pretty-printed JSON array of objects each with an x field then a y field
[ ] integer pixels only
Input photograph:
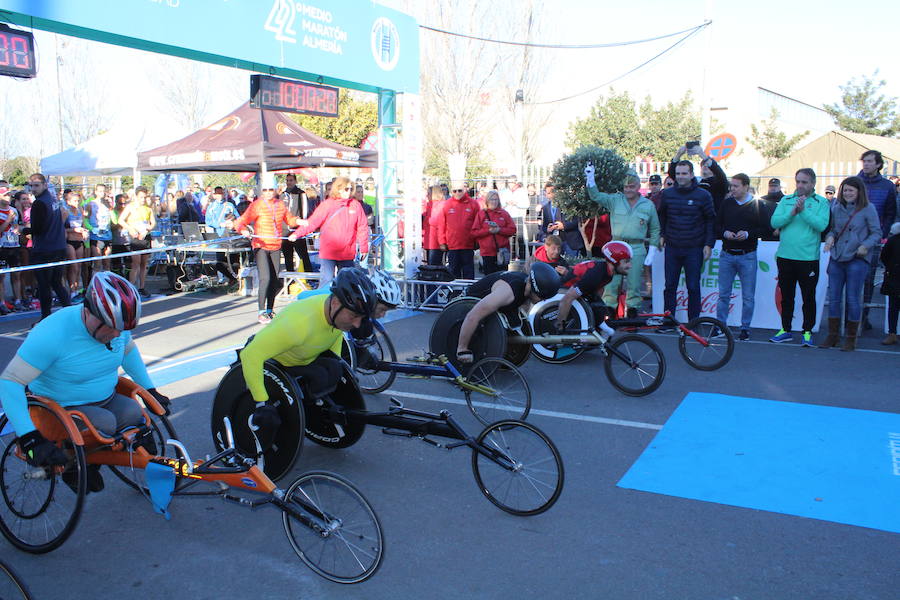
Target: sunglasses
[{"x": 457, "y": 191}]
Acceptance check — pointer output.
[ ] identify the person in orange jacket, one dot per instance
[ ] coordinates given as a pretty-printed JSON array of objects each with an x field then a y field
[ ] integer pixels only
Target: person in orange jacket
[
  {"x": 492, "y": 229},
  {"x": 430, "y": 212},
  {"x": 454, "y": 226},
  {"x": 344, "y": 230},
  {"x": 265, "y": 215}
]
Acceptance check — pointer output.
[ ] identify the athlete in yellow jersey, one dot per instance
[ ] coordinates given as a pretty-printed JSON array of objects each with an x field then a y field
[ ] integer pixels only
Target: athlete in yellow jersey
[{"x": 305, "y": 339}]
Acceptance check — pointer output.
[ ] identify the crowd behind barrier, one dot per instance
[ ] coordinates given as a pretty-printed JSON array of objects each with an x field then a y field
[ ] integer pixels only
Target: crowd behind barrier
[{"x": 467, "y": 231}]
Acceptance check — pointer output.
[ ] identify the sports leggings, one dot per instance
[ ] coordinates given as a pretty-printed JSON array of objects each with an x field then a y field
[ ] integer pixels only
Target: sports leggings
[{"x": 268, "y": 263}]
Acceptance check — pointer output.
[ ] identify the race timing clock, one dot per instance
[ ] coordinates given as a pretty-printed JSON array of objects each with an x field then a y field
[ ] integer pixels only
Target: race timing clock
[
  {"x": 286, "y": 95},
  {"x": 17, "y": 53}
]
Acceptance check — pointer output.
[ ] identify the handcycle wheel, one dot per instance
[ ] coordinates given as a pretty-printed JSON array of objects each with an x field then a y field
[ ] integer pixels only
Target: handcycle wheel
[
  {"x": 161, "y": 429},
  {"x": 542, "y": 317},
  {"x": 522, "y": 472},
  {"x": 372, "y": 381},
  {"x": 11, "y": 585},
  {"x": 320, "y": 427},
  {"x": 713, "y": 356},
  {"x": 507, "y": 396},
  {"x": 489, "y": 339},
  {"x": 641, "y": 367},
  {"x": 39, "y": 510},
  {"x": 233, "y": 400},
  {"x": 340, "y": 537}
]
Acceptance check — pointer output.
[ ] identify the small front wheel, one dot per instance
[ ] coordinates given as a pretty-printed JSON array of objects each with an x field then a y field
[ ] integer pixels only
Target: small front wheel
[
  {"x": 634, "y": 364},
  {"x": 332, "y": 527},
  {"x": 380, "y": 348},
  {"x": 495, "y": 389},
  {"x": 518, "y": 468},
  {"x": 712, "y": 352}
]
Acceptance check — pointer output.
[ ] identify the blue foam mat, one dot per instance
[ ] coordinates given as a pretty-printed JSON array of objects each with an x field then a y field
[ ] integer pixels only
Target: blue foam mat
[{"x": 820, "y": 462}]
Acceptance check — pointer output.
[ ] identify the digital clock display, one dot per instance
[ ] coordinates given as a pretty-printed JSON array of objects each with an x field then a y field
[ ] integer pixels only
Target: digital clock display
[
  {"x": 273, "y": 93},
  {"x": 17, "y": 53}
]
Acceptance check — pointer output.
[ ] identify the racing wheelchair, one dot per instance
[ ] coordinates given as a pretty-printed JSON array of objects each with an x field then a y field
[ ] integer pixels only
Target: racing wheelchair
[
  {"x": 516, "y": 465},
  {"x": 329, "y": 523},
  {"x": 633, "y": 363}
]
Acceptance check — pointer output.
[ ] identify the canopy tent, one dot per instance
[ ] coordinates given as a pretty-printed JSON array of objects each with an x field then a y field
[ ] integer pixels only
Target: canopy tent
[
  {"x": 833, "y": 157},
  {"x": 111, "y": 154},
  {"x": 251, "y": 139}
]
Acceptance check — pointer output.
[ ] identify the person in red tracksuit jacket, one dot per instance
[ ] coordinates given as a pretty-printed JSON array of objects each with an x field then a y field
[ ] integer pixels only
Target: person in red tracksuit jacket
[
  {"x": 492, "y": 229},
  {"x": 430, "y": 212},
  {"x": 454, "y": 228},
  {"x": 266, "y": 215},
  {"x": 344, "y": 230}
]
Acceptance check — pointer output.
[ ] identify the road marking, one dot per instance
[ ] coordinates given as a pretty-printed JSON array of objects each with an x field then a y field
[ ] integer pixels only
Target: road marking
[
  {"x": 544, "y": 413},
  {"x": 194, "y": 358}
]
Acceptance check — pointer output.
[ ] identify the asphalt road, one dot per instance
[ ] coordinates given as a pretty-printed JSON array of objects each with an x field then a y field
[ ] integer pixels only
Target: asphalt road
[{"x": 443, "y": 538}]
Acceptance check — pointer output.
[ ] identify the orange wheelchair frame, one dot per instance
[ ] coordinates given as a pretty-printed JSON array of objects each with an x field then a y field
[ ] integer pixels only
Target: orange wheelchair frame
[{"x": 339, "y": 551}]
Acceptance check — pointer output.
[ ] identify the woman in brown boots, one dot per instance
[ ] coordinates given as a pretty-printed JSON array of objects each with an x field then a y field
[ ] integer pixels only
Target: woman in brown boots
[{"x": 855, "y": 231}]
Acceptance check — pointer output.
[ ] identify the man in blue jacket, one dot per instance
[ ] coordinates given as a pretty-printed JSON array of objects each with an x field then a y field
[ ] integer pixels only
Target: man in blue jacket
[
  {"x": 686, "y": 227},
  {"x": 883, "y": 196}
]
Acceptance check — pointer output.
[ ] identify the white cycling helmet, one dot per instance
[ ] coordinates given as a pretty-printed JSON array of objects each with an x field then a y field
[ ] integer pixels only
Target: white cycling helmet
[{"x": 386, "y": 288}]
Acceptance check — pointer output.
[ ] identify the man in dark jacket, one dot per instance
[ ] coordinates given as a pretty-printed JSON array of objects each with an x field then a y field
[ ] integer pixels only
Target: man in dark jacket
[
  {"x": 686, "y": 222},
  {"x": 883, "y": 196},
  {"x": 48, "y": 243},
  {"x": 713, "y": 178},
  {"x": 770, "y": 201},
  {"x": 553, "y": 222}
]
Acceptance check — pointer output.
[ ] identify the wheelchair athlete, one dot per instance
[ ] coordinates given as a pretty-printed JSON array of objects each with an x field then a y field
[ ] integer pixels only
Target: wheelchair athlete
[
  {"x": 305, "y": 338},
  {"x": 589, "y": 279},
  {"x": 505, "y": 292},
  {"x": 73, "y": 357}
]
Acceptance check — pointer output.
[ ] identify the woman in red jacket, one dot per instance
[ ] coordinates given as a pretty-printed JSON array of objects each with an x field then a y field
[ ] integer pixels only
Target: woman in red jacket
[
  {"x": 265, "y": 215},
  {"x": 435, "y": 200},
  {"x": 344, "y": 230},
  {"x": 492, "y": 229}
]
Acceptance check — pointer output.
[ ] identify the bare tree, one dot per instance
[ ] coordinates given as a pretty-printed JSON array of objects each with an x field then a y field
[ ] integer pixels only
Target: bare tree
[
  {"x": 184, "y": 89},
  {"x": 457, "y": 72},
  {"x": 84, "y": 108}
]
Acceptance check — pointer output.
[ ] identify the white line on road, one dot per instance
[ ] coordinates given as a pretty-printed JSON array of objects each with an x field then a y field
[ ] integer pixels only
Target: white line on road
[{"x": 544, "y": 413}]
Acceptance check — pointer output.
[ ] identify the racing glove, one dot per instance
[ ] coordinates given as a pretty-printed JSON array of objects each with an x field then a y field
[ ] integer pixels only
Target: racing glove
[
  {"x": 264, "y": 422},
  {"x": 163, "y": 400},
  {"x": 41, "y": 452}
]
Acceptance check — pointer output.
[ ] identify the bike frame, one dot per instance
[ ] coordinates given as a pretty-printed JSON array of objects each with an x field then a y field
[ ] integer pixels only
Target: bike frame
[{"x": 654, "y": 321}]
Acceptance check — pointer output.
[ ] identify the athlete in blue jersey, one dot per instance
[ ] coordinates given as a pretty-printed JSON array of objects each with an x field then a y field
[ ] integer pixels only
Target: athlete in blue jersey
[{"x": 73, "y": 357}]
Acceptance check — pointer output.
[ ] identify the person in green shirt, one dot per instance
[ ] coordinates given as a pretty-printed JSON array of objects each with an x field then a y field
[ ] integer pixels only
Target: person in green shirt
[
  {"x": 633, "y": 220},
  {"x": 801, "y": 218}
]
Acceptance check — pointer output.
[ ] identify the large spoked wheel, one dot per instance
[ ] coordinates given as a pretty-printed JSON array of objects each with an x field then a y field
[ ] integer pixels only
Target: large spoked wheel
[
  {"x": 495, "y": 390},
  {"x": 518, "y": 468},
  {"x": 41, "y": 506},
  {"x": 380, "y": 348},
  {"x": 160, "y": 430},
  {"x": 336, "y": 532},
  {"x": 11, "y": 585},
  {"x": 542, "y": 317},
  {"x": 715, "y": 352},
  {"x": 634, "y": 364}
]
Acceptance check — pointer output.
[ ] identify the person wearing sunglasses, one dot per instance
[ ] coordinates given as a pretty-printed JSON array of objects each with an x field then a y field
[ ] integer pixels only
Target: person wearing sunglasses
[
  {"x": 454, "y": 229},
  {"x": 344, "y": 230}
]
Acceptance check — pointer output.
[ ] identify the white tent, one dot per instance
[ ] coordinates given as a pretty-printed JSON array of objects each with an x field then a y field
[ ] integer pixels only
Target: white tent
[{"x": 112, "y": 154}]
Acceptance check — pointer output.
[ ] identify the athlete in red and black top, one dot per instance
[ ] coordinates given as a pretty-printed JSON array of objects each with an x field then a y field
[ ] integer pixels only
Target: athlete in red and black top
[{"x": 591, "y": 276}]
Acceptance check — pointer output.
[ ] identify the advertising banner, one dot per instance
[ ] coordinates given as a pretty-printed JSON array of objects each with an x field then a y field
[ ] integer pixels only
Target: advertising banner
[
  {"x": 766, "y": 313},
  {"x": 351, "y": 40}
]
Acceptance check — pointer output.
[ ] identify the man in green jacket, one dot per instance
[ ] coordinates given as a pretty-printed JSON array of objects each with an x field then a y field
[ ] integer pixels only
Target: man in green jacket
[
  {"x": 801, "y": 217},
  {"x": 633, "y": 220}
]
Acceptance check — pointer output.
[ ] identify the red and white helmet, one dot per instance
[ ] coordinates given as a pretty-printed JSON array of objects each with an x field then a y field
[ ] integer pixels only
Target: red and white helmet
[
  {"x": 616, "y": 251},
  {"x": 113, "y": 300}
]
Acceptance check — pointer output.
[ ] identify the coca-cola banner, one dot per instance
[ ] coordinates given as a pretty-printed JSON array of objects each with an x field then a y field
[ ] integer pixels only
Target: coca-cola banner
[{"x": 767, "y": 312}]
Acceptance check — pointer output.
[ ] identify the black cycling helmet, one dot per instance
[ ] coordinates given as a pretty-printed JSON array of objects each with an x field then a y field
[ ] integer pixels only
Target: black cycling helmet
[
  {"x": 544, "y": 280},
  {"x": 355, "y": 291}
]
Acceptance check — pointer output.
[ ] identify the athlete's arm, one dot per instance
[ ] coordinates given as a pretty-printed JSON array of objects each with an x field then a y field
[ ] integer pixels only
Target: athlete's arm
[
  {"x": 269, "y": 342},
  {"x": 133, "y": 364},
  {"x": 13, "y": 380},
  {"x": 500, "y": 296},
  {"x": 566, "y": 303}
]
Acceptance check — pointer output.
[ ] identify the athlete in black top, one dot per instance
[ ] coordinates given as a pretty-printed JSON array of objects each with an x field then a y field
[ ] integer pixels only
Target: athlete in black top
[
  {"x": 505, "y": 292},
  {"x": 588, "y": 280}
]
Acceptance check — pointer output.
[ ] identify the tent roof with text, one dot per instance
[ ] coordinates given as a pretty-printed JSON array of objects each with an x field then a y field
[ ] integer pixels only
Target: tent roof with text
[{"x": 242, "y": 140}]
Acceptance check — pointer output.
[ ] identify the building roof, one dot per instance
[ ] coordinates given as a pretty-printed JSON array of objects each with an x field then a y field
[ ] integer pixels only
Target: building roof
[{"x": 889, "y": 147}]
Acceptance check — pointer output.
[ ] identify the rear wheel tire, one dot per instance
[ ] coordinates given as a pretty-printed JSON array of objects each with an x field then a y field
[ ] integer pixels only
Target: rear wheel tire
[{"x": 373, "y": 381}]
